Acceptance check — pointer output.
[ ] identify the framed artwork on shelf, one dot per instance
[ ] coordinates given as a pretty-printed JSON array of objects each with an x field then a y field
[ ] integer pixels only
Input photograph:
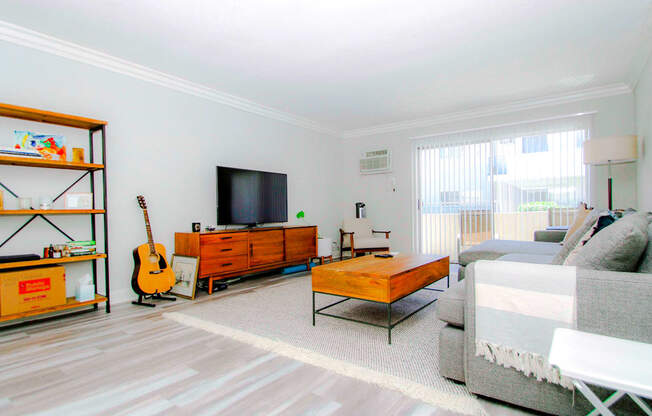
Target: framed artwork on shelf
[
  {"x": 185, "y": 270},
  {"x": 78, "y": 200}
]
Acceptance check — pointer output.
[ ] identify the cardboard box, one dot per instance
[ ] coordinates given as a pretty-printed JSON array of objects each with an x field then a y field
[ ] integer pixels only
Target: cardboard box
[{"x": 23, "y": 290}]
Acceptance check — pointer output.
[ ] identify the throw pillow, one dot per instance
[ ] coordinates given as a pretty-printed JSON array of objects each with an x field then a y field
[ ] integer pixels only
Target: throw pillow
[
  {"x": 646, "y": 260},
  {"x": 580, "y": 244},
  {"x": 569, "y": 245},
  {"x": 617, "y": 247},
  {"x": 606, "y": 218},
  {"x": 578, "y": 220}
]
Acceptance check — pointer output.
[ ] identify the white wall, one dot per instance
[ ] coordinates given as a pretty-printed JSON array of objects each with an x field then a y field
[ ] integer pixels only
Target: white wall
[
  {"x": 387, "y": 209},
  {"x": 643, "y": 95},
  {"x": 160, "y": 143},
  {"x": 165, "y": 145}
]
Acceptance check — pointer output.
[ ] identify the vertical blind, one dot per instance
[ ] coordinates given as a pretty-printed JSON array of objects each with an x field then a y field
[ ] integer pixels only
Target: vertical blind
[{"x": 502, "y": 183}]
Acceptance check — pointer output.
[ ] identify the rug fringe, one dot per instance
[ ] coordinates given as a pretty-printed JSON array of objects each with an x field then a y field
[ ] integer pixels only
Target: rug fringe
[
  {"x": 447, "y": 401},
  {"x": 530, "y": 364}
]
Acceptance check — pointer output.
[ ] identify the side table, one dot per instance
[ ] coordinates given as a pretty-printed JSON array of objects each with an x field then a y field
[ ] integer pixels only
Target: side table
[{"x": 590, "y": 358}]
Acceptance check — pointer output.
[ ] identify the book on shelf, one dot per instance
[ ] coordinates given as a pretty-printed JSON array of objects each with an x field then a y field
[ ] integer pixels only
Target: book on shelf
[
  {"x": 81, "y": 243},
  {"x": 82, "y": 248},
  {"x": 10, "y": 151},
  {"x": 82, "y": 253}
]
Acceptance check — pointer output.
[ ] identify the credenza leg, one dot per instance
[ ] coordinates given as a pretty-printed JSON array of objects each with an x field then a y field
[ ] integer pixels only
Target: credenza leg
[{"x": 210, "y": 285}]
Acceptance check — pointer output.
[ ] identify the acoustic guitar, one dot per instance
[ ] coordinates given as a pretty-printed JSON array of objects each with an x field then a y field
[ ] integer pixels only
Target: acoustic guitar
[{"x": 152, "y": 274}]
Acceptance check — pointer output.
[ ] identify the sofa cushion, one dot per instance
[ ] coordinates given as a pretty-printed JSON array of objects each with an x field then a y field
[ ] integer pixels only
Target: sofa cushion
[
  {"x": 493, "y": 249},
  {"x": 366, "y": 242},
  {"x": 645, "y": 266},
  {"x": 617, "y": 247},
  {"x": 361, "y": 227},
  {"x": 450, "y": 305},
  {"x": 574, "y": 238},
  {"x": 451, "y": 353},
  {"x": 527, "y": 258}
]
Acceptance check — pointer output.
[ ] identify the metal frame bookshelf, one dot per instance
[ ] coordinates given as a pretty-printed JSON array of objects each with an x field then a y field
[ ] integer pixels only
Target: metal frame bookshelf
[{"x": 90, "y": 170}]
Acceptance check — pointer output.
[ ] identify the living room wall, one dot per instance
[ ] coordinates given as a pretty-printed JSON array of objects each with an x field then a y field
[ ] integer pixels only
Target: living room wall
[
  {"x": 160, "y": 143},
  {"x": 392, "y": 210},
  {"x": 643, "y": 94}
]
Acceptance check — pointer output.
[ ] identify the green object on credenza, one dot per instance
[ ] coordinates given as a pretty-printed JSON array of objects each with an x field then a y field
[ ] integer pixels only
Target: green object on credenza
[{"x": 300, "y": 214}]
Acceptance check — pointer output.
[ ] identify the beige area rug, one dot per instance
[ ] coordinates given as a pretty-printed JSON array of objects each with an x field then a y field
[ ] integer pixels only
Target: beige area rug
[{"x": 278, "y": 318}]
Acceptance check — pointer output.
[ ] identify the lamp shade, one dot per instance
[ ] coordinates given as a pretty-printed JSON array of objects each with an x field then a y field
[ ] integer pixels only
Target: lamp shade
[{"x": 615, "y": 149}]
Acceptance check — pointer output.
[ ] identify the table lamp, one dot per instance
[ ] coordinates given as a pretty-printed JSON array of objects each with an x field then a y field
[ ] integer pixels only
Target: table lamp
[{"x": 610, "y": 151}]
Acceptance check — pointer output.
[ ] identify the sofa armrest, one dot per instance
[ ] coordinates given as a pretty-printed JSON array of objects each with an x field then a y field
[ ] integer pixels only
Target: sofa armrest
[
  {"x": 381, "y": 232},
  {"x": 608, "y": 303},
  {"x": 615, "y": 304},
  {"x": 550, "y": 236},
  {"x": 527, "y": 275}
]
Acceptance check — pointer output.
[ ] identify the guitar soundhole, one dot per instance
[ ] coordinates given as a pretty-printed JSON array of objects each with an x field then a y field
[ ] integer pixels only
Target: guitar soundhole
[{"x": 153, "y": 258}]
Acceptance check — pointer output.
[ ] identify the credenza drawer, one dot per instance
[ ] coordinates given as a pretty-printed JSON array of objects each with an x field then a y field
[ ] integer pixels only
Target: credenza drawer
[
  {"x": 218, "y": 238},
  {"x": 223, "y": 249},
  {"x": 213, "y": 266}
]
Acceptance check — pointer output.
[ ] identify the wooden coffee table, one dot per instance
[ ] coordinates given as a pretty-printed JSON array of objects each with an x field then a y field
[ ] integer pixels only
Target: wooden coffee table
[{"x": 379, "y": 280}]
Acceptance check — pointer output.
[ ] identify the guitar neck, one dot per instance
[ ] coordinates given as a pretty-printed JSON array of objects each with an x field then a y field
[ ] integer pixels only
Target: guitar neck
[{"x": 150, "y": 240}]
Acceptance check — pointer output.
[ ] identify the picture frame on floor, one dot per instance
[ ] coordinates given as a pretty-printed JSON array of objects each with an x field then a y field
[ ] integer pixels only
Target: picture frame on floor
[{"x": 185, "y": 270}]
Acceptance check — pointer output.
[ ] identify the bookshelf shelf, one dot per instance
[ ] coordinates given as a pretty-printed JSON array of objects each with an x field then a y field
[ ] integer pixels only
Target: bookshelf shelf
[
  {"x": 70, "y": 304},
  {"x": 43, "y": 163},
  {"x": 50, "y": 211},
  {"x": 50, "y": 117},
  {"x": 47, "y": 262}
]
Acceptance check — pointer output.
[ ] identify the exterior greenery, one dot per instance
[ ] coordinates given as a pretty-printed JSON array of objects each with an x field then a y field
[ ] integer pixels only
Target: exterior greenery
[{"x": 537, "y": 206}]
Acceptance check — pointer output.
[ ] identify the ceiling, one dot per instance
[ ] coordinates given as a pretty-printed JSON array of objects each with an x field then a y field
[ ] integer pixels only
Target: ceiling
[{"x": 361, "y": 63}]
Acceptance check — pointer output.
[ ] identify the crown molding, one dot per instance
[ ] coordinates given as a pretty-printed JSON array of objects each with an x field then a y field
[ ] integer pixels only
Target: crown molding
[
  {"x": 550, "y": 100},
  {"x": 29, "y": 38}
]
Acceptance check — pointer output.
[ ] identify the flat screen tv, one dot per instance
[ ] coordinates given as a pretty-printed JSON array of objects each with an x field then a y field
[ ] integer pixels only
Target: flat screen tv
[{"x": 251, "y": 197}]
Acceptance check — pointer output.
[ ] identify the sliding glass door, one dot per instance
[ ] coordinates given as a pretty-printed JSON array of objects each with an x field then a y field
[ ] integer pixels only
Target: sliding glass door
[{"x": 500, "y": 183}]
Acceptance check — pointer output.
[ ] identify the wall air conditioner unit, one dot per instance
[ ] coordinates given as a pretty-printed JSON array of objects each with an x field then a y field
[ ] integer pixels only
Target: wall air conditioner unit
[{"x": 378, "y": 161}]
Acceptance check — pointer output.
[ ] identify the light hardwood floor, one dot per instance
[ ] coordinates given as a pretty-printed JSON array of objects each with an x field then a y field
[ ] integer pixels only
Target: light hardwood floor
[{"x": 134, "y": 362}]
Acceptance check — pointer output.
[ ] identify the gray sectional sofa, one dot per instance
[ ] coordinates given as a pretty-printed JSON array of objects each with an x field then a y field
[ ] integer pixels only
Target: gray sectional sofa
[{"x": 608, "y": 302}]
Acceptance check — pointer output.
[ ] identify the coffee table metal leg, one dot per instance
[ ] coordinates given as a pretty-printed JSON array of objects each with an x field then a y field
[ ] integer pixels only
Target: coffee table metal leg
[
  {"x": 313, "y": 308},
  {"x": 389, "y": 323}
]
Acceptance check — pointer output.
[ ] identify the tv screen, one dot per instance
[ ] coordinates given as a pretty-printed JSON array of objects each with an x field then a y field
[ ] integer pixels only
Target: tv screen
[{"x": 251, "y": 197}]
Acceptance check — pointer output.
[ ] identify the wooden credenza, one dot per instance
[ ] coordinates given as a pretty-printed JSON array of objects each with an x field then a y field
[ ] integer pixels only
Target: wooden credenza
[{"x": 231, "y": 253}]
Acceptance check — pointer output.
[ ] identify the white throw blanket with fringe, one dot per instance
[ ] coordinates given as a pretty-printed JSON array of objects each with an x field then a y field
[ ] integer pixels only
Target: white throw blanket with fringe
[{"x": 517, "y": 308}]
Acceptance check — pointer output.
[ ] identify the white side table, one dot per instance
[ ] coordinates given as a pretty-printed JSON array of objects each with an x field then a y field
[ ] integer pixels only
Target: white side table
[
  {"x": 324, "y": 250},
  {"x": 613, "y": 363}
]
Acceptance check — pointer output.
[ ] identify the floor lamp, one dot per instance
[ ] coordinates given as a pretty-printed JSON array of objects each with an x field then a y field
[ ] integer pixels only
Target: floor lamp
[{"x": 610, "y": 151}]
